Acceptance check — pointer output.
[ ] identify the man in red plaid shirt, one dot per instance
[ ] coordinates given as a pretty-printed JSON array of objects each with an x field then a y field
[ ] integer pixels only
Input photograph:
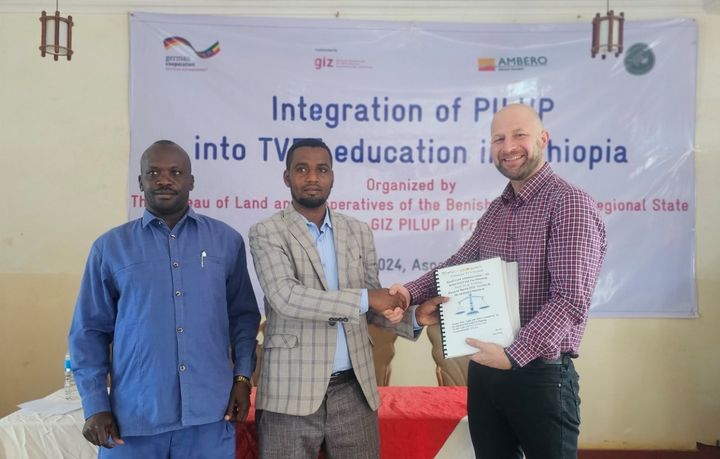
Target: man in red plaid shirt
[{"x": 524, "y": 398}]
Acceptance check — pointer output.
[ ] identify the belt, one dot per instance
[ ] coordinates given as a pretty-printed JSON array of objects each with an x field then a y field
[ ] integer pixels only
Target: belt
[
  {"x": 340, "y": 377},
  {"x": 564, "y": 358}
]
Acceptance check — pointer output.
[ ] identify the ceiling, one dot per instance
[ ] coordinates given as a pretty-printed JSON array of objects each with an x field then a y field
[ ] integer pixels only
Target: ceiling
[{"x": 376, "y": 8}]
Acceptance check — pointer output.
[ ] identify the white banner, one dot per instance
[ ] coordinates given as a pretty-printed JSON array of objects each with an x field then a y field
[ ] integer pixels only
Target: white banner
[{"x": 406, "y": 108}]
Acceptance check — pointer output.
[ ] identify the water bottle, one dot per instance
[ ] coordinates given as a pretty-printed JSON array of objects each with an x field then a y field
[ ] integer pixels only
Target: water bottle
[{"x": 69, "y": 380}]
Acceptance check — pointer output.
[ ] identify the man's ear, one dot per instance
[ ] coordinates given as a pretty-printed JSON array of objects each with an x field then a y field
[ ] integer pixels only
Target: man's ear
[
  {"x": 140, "y": 182},
  {"x": 192, "y": 182},
  {"x": 286, "y": 178},
  {"x": 545, "y": 138}
]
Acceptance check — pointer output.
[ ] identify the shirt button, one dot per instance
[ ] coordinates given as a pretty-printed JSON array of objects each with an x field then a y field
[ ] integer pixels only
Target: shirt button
[
  {"x": 182, "y": 367},
  {"x": 180, "y": 329},
  {"x": 175, "y": 264},
  {"x": 178, "y": 293},
  {"x": 172, "y": 236}
]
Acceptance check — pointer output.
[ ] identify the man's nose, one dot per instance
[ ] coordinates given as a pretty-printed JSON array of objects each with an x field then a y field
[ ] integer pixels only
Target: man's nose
[
  {"x": 508, "y": 145},
  {"x": 164, "y": 178},
  {"x": 312, "y": 176}
]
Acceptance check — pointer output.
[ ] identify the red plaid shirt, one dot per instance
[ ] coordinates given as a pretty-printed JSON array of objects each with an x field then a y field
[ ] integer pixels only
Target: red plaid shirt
[{"x": 555, "y": 233}]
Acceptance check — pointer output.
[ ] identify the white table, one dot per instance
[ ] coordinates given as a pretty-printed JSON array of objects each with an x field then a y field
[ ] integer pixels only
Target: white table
[
  {"x": 458, "y": 444},
  {"x": 26, "y": 435}
]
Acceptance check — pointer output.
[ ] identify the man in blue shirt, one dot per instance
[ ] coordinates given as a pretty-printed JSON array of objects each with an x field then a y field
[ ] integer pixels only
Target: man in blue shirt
[{"x": 170, "y": 292}]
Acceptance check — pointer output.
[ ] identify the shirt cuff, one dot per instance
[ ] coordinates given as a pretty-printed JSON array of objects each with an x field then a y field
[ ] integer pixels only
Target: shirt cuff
[
  {"x": 513, "y": 363},
  {"x": 95, "y": 403},
  {"x": 364, "y": 305},
  {"x": 416, "y": 326},
  {"x": 520, "y": 353},
  {"x": 245, "y": 365}
]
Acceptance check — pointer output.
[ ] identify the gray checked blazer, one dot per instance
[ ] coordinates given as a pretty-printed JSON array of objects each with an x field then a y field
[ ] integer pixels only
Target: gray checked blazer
[{"x": 300, "y": 332}]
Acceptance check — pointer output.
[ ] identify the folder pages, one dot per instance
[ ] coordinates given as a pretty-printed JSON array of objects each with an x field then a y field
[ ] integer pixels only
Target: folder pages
[{"x": 484, "y": 304}]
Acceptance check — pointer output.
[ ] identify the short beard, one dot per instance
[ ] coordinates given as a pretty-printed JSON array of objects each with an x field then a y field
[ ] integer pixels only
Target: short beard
[
  {"x": 311, "y": 203},
  {"x": 534, "y": 159}
]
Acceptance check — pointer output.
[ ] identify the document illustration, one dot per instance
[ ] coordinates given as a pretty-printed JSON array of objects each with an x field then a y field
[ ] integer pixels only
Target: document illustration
[{"x": 484, "y": 304}]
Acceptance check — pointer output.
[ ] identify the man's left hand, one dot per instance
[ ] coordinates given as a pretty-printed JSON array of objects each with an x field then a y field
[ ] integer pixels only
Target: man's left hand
[
  {"x": 428, "y": 313},
  {"x": 239, "y": 403},
  {"x": 489, "y": 354}
]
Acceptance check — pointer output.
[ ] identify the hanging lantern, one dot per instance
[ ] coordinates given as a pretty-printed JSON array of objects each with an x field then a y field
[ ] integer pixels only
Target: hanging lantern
[
  {"x": 56, "y": 35},
  {"x": 607, "y": 34}
]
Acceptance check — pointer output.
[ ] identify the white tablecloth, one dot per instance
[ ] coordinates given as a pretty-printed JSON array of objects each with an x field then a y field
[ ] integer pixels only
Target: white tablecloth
[
  {"x": 27, "y": 435},
  {"x": 458, "y": 445}
]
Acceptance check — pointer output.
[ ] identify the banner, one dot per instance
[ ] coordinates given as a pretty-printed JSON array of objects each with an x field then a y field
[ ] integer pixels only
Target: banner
[{"x": 406, "y": 109}]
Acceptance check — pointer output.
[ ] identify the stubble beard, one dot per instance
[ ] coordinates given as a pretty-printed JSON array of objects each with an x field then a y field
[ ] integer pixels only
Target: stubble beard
[
  {"x": 526, "y": 170},
  {"x": 310, "y": 203}
]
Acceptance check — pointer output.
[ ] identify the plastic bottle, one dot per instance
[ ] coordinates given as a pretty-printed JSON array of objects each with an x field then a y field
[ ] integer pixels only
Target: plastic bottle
[{"x": 69, "y": 380}]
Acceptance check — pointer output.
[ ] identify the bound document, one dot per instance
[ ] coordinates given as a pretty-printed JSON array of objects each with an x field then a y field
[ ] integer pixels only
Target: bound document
[{"x": 484, "y": 304}]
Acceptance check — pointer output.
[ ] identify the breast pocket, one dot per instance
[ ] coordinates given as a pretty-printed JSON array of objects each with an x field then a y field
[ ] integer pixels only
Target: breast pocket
[
  {"x": 212, "y": 273},
  {"x": 355, "y": 266},
  {"x": 280, "y": 341}
]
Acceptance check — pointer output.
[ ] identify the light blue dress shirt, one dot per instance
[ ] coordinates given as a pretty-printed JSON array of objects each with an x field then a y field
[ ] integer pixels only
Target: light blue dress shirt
[
  {"x": 173, "y": 304},
  {"x": 325, "y": 243}
]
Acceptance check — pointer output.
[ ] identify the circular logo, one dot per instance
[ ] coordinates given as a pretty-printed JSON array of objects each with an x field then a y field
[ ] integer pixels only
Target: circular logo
[{"x": 639, "y": 59}]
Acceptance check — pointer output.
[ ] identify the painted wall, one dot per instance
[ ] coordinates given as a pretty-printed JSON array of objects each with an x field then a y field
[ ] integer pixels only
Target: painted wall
[{"x": 63, "y": 157}]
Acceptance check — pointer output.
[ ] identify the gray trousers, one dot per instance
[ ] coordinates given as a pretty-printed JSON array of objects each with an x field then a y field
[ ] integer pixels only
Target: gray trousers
[{"x": 344, "y": 426}]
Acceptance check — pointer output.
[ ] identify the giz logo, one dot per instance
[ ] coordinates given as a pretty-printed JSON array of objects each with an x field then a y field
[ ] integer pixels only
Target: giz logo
[{"x": 321, "y": 62}]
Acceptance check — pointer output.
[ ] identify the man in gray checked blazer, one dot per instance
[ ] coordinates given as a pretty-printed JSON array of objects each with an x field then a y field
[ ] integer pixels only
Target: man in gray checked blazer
[{"x": 319, "y": 273}]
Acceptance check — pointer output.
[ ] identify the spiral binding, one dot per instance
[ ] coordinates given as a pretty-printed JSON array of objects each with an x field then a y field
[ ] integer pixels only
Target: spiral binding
[{"x": 442, "y": 318}]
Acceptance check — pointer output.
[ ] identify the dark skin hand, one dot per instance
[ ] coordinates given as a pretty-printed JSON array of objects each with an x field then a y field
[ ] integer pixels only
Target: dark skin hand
[
  {"x": 428, "y": 313},
  {"x": 381, "y": 300},
  {"x": 100, "y": 427},
  {"x": 239, "y": 402}
]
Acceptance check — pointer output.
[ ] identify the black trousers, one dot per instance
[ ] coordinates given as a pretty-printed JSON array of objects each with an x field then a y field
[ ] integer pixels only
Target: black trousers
[{"x": 533, "y": 410}]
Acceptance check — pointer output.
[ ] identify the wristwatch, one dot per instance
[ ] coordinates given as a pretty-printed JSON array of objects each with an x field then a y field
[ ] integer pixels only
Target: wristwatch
[{"x": 243, "y": 379}]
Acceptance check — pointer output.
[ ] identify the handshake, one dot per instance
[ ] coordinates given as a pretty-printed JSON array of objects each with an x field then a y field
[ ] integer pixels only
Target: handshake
[{"x": 393, "y": 302}]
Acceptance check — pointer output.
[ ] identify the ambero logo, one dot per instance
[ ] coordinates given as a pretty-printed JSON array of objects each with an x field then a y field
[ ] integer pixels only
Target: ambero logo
[
  {"x": 508, "y": 63},
  {"x": 486, "y": 64}
]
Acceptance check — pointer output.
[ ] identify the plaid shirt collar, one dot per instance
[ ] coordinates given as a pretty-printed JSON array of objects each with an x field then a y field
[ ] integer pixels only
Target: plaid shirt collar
[{"x": 531, "y": 187}]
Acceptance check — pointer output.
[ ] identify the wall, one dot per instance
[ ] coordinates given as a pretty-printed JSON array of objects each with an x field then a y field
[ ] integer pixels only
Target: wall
[{"x": 63, "y": 155}]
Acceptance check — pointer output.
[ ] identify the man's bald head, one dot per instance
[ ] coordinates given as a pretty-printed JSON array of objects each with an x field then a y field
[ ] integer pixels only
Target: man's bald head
[
  {"x": 162, "y": 145},
  {"x": 520, "y": 113}
]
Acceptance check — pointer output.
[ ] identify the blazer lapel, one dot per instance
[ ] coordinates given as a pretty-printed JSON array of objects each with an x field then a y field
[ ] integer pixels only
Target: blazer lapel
[
  {"x": 341, "y": 232},
  {"x": 298, "y": 229}
]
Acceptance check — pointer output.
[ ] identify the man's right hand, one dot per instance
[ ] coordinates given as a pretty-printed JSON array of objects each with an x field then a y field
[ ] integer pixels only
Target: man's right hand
[
  {"x": 400, "y": 288},
  {"x": 380, "y": 300},
  {"x": 100, "y": 428}
]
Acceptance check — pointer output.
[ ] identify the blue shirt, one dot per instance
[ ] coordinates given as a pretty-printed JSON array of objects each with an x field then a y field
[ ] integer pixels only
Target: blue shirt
[
  {"x": 173, "y": 304},
  {"x": 325, "y": 243}
]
